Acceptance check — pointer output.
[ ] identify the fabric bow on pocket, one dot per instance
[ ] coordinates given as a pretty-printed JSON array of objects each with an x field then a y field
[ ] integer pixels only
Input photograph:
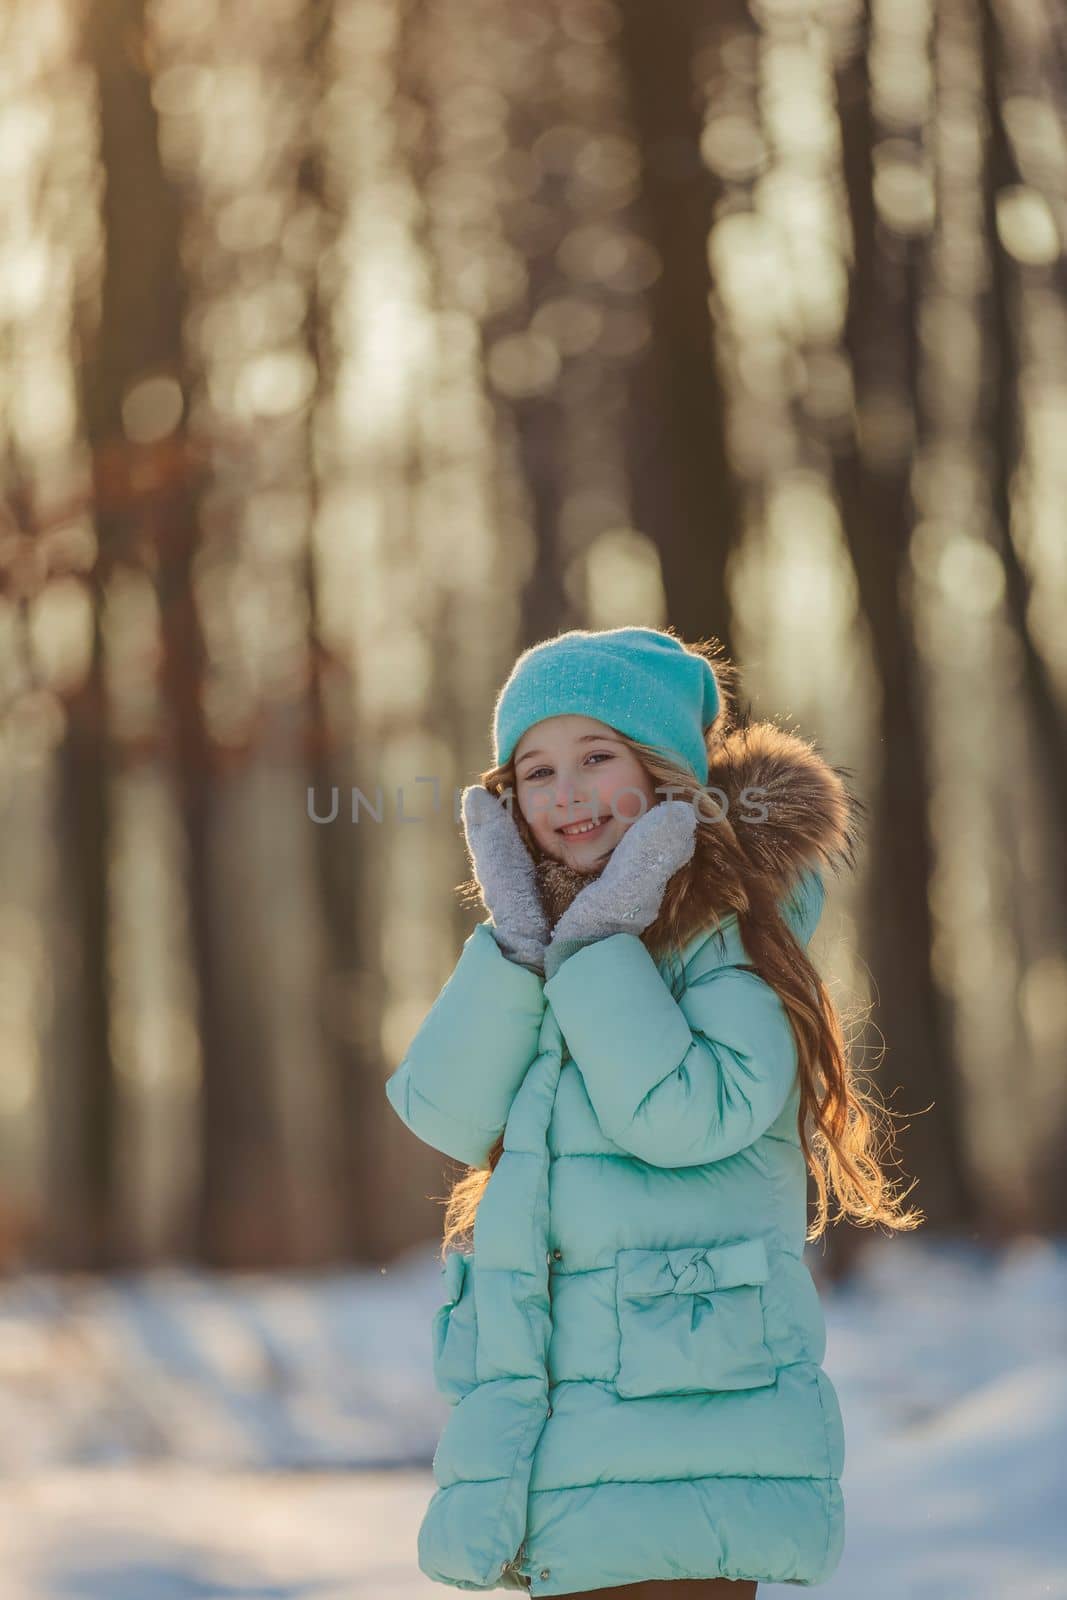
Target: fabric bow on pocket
[
  {"x": 455, "y": 1329},
  {"x": 692, "y": 1318}
]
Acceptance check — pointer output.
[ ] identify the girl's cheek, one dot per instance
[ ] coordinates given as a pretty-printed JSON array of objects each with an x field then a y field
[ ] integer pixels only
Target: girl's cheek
[
  {"x": 533, "y": 809},
  {"x": 628, "y": 807}
]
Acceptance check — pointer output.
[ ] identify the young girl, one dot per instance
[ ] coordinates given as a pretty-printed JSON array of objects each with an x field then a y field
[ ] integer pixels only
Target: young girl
[{"x": 628, "y": 1056}]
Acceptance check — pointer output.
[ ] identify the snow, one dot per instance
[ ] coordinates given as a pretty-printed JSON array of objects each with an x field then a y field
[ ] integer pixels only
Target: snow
[{"x": 179, "y": 1435}]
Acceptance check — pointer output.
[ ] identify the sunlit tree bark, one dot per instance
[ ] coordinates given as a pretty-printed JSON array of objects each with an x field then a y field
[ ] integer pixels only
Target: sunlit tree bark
[
  {"x": 140, "y": 335},
  {"x": 683, "y": 489},
  {"x": 872, "y": 478},
  {"x": 352, "y": 1141},
  {"x": 1004, "y": 399}
]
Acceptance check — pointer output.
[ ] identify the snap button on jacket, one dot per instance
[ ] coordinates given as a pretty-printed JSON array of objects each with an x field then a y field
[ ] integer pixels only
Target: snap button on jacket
[{"x": 645, "y": 1399}]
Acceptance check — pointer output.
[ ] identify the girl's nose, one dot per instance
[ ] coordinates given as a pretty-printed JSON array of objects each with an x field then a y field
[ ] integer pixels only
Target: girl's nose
[
  {"x": 569, "y": 801},
  {"x": 582, "y": 800}
]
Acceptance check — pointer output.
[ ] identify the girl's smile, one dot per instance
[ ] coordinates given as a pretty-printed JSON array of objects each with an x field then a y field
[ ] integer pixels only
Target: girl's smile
[{"x": 582, "y": 830}]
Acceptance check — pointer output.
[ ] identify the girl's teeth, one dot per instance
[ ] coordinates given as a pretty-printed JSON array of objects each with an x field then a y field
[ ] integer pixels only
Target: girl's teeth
[{"x": 584, "y": 827}]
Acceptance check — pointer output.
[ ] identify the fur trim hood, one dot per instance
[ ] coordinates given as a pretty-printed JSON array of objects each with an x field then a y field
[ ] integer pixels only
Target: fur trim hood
[{"x": 785, "y": 810}]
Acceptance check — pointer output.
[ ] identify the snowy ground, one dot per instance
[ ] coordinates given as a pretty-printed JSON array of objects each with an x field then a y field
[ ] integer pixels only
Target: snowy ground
[{"x": 179, "y": 1436}]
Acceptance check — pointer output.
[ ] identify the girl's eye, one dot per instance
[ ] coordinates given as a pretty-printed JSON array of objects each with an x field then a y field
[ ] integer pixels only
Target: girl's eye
[{"x": 605, "y": 754}]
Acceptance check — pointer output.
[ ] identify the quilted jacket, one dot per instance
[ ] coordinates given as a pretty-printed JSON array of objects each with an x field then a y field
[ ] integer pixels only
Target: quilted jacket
[{"x": 632, "y": 1351}]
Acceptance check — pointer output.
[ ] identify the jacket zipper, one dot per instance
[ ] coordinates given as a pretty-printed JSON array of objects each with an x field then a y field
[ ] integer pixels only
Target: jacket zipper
[{"x": 513, "y": 1564}]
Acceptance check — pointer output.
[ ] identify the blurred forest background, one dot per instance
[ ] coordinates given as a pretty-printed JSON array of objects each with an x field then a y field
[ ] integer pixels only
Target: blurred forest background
[{"x": 349, "y": 346}]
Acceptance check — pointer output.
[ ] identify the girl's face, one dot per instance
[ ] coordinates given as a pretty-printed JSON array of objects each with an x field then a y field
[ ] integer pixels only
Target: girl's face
[{"x": 570, "y": 769}]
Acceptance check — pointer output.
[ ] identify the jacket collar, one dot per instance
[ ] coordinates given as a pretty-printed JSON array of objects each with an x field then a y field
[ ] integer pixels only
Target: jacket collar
[{"x": 792, "y": 816}]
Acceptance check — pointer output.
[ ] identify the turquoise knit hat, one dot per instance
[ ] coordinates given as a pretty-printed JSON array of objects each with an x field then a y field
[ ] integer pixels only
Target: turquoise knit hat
[{"x": 640, "y": 681}]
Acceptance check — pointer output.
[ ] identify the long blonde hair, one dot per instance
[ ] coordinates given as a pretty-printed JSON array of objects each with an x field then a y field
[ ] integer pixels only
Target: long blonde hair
[{"x": 844, "y": 1129}]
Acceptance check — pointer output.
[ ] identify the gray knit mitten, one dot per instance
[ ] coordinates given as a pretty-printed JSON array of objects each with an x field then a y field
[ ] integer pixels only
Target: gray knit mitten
[
  {"x": 504, "y": 870},
  {"x": 626, "y": 896}
]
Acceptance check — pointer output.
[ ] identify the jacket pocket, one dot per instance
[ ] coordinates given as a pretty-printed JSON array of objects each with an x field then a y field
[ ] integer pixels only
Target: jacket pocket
[
  {"x": 692, "y": 1318},
  {"x": 455, "y": 1329}
]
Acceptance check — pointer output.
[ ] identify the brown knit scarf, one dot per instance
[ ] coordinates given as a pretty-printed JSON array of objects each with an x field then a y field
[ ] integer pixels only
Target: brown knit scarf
[{"x": 558, "y": 882}]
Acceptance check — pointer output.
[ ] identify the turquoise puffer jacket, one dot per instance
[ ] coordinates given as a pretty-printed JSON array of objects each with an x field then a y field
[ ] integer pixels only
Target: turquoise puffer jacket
[{"x": 633, "y": 1350}]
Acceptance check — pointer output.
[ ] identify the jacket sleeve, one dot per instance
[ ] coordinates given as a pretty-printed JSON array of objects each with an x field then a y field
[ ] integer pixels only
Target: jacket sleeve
[
  {"x": 674, "y": 1082},
  {"x": 460, "y": 1073}
]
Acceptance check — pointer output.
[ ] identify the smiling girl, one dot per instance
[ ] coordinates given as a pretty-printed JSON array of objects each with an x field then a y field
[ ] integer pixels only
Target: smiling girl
[{"x": 639, "y": 1064}]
